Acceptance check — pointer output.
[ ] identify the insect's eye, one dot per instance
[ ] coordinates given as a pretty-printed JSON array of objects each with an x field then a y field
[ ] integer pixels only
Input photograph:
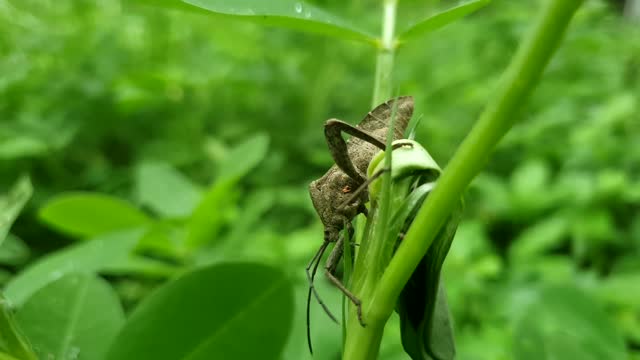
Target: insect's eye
[{"x": 346, "y": 189}]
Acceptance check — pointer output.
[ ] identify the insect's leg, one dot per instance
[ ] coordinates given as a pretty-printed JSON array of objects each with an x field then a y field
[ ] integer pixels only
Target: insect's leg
[
  {"x": 311, "y": 270},
  {"x": 363, "y": 187},
  {"x": 359, "y": 191},
  {"x": 330, "y": 268},
  {"x": 333, "y": 129},
  {"x": 311, "y": 273},
  {"x": 338, "y": 146}
]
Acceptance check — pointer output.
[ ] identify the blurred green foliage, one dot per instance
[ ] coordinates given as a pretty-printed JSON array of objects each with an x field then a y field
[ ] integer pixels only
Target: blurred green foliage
[{"x": 209, "y": 129}]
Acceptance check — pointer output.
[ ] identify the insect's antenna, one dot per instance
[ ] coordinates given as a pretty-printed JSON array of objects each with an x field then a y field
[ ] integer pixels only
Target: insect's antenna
[
  {"x": 314, "y": 263},
  {"x": 412, "y": 133},
  {"x": 309, "y": 322}
]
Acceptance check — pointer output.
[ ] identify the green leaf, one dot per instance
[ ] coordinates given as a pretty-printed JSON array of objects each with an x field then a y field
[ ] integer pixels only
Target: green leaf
[
  {"x": 229, "y": 311},
  {"x": 12, "y": 203},
  {"x": 296, "y": 15},
  {"x": 84, "y": 214},
  {"x": 242, "y": 158},
  {"x": 14, "y": 251},
  {"x": 213, "y": 210},
  {"x": 74, "y": 317},
  {"x": 169, "y": 4},
  {"x": 13, "y": 344},
  {"x": 409, "y": 206},
  {"x": 164, "y": 239},
  {"x": 441, "y": 337},
  {"x": 102, "y": 253},
  {"x": 541, "y": 237},
  {"x": 210, "y": 215},
  {"x": 424, "y": 339},
  {"x": 410, "y": 159},
  {"x": 620, "y": 289},
  {"x": 425, "y": 320},
  {"x": 564, "y": 323},
  {"x": 440, "y": 20},
  {"x": 22, "y": 146},
  {"x": 530, "y": 178},
  {"x": 4, "y": 356},
  {"x": 166, "y": 191}
]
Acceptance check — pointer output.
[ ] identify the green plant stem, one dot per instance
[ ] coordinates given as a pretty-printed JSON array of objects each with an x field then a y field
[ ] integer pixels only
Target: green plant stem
[
  {"x": 498, "y": 117},
  {"x": 382, "y": 87},
  {"x": 517, "y": 82},
  {"x": 364, "y": 276}
]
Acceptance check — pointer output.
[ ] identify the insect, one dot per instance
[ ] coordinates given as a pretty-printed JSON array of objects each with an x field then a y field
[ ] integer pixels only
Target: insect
[{"x": 344, "y": 182}]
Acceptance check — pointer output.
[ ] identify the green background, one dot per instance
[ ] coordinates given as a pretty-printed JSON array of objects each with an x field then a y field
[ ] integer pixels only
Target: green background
[{"x": 206, "y": 130}]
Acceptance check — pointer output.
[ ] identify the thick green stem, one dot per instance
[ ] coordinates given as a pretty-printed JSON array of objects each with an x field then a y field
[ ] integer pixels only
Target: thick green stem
[
  {"x": 499, "y": 115},
  {"x": 382, "y": 87},
  {"x": 364, "y": 342}
]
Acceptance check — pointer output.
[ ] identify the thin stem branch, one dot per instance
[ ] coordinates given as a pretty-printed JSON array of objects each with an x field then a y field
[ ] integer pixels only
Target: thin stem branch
[
  {"x": 14, "y": 342},
  {"x": 382, "y": 87},
  {"x": 364, "y": 342}
]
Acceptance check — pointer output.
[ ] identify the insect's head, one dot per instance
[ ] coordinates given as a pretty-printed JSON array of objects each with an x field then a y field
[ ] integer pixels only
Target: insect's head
[{"x": 327, "y": 194}]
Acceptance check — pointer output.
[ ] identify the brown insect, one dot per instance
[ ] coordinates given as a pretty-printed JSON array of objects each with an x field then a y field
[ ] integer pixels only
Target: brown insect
[{"x": 340, "y": 194}]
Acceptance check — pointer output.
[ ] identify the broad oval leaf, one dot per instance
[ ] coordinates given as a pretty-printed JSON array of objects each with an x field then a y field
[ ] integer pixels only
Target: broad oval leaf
[
  {"x": 12, "y": 203},
  {"x": 297, "y": 15},
  {"x": 165, "y": 190},
  {"x": 101, "y": 253},
  {"x": 620, "y": 289},
  {"x": 14, "y": 251},
  {"x": 564, "y": 323},
  {"x": 84, "y": 214},
  {"x": 75, "y": 317},
  {"x": 440, "y": 19},
  {"x": 228, "y": 311},
  {"x": 242, "y": 158},
  {"x": 17, "y": 147}
]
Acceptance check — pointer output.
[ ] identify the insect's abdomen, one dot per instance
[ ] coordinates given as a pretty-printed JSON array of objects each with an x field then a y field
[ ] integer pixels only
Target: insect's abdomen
[
  {"x": 380, "y": 117},
  {"x": 361, "y": 152}
]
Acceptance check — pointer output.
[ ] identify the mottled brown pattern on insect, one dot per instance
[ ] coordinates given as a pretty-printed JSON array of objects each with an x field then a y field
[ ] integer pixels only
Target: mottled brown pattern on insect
[{"x": 352, "y": 159}]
